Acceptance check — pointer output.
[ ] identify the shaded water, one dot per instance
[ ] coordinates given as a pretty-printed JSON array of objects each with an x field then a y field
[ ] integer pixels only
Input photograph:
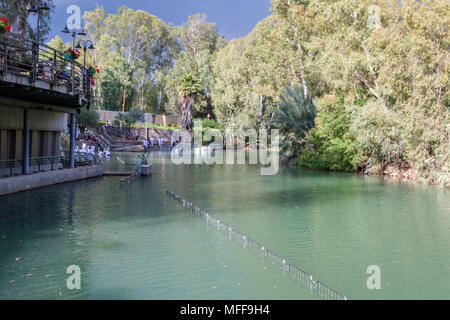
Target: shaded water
[{"x": 131, "y": 242}]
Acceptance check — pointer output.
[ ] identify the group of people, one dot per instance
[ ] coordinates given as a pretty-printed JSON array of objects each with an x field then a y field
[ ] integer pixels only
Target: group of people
[
  {"x": 149, "y": 143},
  {"x": 86, "y": 135}
]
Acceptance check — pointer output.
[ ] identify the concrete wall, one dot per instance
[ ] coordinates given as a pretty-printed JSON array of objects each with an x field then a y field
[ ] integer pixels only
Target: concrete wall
[
  {"x": 142, "y": 132},
  {"x": 43, "y": 179},
  {"x": 12, "y": 118},
  {"x": 6, "y": 172},
  {"x": 45, "y": 132},
  {"x": 108, "y": 116}
]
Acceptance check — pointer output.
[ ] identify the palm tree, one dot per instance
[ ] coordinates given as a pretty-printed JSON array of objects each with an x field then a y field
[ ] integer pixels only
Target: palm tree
[
  {"x": 294, "y": 117},
  {"x": 189, "y": 88}
]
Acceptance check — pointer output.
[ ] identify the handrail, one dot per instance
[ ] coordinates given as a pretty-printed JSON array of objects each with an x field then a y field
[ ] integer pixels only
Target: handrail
[
  {"x": 24, "y": 57},
  {"x": 81, "y": 159}
]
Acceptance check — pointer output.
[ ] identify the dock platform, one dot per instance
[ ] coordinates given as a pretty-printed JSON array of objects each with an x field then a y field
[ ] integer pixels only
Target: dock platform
[{"x": 118, "y": 173}]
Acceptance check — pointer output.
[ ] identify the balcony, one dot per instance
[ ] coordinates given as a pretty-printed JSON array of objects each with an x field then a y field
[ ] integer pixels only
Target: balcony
[{"x": 38, "y": 74}]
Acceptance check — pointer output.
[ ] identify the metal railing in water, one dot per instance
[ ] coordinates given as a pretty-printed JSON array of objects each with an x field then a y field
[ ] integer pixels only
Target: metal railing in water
[
  {"x": 25, "y": 58},
  {"x": 300, "y": 276}
]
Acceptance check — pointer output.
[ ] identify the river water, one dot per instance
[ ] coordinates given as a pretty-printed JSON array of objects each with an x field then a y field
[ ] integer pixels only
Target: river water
[{"x": 132, "y": 242}]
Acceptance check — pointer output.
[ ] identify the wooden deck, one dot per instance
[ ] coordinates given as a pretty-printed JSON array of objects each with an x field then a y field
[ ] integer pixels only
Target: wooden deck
[{"x": 118, "y": 173}]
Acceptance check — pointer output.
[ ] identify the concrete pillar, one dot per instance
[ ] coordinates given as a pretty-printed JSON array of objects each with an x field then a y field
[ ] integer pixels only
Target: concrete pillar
[
  {"x": 58, "y": 144},
  {"x": 72, "y": 140},
  {"x": 3, "y": 145},
  {"x": 19, "y": 136},
  {"x": 26, "y": 142},
  {"x": 35, "y": 143}
]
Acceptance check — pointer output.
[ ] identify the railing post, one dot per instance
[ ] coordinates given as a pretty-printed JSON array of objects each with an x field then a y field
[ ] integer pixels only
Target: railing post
[
  {"x": 73, "y": 77},
  {"x": 54, "y": 75},
  {"x": 26, "y": 142},
  {"x": 72, "y": 140}
]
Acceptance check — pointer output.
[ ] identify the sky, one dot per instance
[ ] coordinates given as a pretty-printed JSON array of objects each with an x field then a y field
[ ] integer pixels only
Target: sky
[{"x": 234, "y": 18}]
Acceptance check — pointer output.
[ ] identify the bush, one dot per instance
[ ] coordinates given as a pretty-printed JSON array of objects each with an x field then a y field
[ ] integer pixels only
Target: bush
[
  {"x": 130, "y": 118},
  {"x": 87, "y": 118},
  {"x": 332, "y": 145},
  {"x": 379, "y": 134},
  {"x": 213, "y": 124}
]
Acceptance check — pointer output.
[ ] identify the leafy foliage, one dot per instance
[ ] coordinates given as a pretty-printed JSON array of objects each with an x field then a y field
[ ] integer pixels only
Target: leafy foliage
[
  {"x": 294, "y": 117},
  {"x": 128, "y": 119},
  {"x": 332, "y": 144},
  {"x": 392, "y": 79},
  {"x": 87, "y": 118},
  {"x": 189, "y": 85},
  {"x": 382, "y": 90}
]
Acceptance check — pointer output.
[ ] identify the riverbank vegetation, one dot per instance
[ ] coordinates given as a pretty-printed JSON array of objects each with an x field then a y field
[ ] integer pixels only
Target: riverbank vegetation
[{"x": 351, "y": 84}]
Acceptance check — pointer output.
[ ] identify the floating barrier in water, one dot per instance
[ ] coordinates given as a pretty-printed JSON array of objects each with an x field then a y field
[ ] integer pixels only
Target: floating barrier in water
[{"x": 300, "y": 276}]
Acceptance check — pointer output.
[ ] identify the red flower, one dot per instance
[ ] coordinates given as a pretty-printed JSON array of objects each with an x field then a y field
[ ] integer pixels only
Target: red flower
[
  {"x": 8, "y": 28},
  {"x": 4, "y": 20}
]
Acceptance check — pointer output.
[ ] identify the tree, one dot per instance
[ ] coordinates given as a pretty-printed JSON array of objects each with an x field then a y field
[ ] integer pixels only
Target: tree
[
  {"x": 332, "y": 144},
  {"x": 128, "y": 119},
  {"x": 188, "y": 90},
  {"x": 294, "y": 117},
  {"x": 87, "y": 118},
  {"x": 58, "y": 44},
  {"x": 197, "y": 40},
  {"x": 16, "y": 12},
  {"x": 131, "y": 47}
]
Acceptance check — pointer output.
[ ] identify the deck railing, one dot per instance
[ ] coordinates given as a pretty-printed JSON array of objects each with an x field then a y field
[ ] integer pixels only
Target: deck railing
[
  {"x": 11, "y": 167},
  {"x": 25, "y": 58}
]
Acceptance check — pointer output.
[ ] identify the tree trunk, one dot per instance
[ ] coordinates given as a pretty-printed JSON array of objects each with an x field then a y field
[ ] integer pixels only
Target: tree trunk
[
  {"x": 187, "y": 104},
  {"x": 124, "y": 99},
  {"x": 159, "y": 100},
  {"x": 261, "y": 107},
  {"x": 19, "y": 24}
]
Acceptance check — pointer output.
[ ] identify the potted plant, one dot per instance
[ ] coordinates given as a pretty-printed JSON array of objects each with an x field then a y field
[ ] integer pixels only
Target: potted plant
[
  {"x": 71, "y": 55},
  {"x": 4, "y": 27},
  {"x": 91, "y": 73}
]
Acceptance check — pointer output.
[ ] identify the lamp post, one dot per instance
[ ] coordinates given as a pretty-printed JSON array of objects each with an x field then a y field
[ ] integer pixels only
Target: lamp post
[
  {"x": 38, "y": 8},
  {"x": 85, "y": 44},
  {"x": 74, "y": 36}
]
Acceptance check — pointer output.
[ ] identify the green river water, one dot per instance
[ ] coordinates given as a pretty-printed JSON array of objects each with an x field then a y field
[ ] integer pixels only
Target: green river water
[{"x": 132, "y": 242}]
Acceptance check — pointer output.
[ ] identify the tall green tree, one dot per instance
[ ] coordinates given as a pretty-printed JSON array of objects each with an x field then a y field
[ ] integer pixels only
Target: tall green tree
[
  {"x": 198, "y": 40},
  {"x": 17, "y": 14},
  {"x": 294, "y": 116},
  {"x": 134, "y": 46},
  {"x": 188, "y": 90}
]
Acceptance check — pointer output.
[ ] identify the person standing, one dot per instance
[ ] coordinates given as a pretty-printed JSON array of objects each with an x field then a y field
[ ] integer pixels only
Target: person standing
[{"x": 146, "y": 145}]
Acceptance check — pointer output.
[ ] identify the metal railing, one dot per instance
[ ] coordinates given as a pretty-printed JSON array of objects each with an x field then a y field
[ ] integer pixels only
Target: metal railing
[
  {"x": 26, "y": 58},
  {"x": 302, "y": 277},
  {"x": 52, "y": 162}
]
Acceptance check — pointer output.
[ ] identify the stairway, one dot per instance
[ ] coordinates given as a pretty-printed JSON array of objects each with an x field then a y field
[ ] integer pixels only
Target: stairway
[{"x": 104, "y": 143}]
